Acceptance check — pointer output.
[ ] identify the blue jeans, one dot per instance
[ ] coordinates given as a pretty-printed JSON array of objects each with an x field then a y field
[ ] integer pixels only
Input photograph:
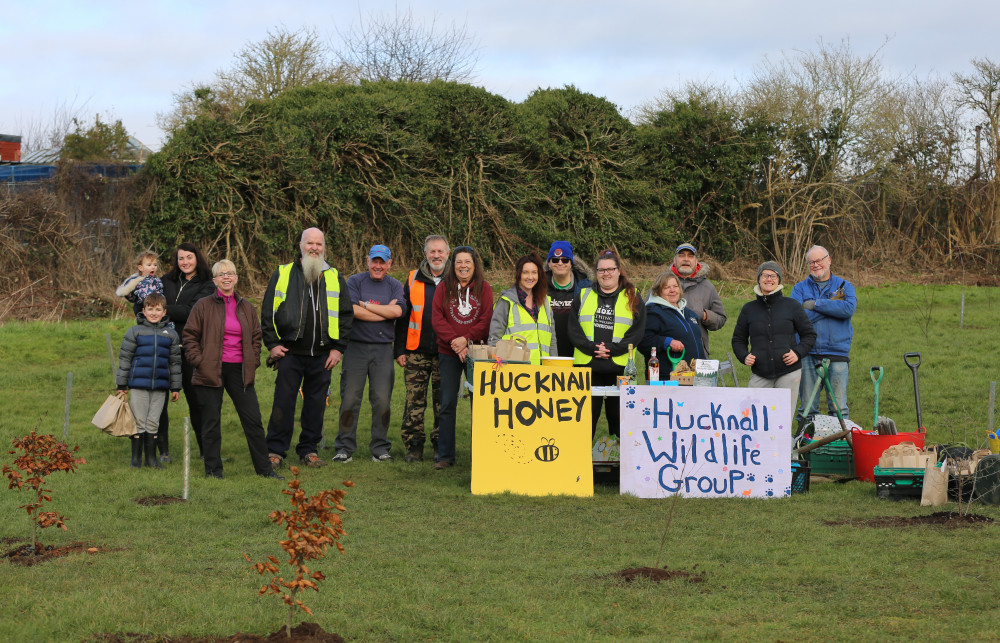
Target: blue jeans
[
  {"x": 451, "y": 382},
  {"x": 838, "y": 380}
]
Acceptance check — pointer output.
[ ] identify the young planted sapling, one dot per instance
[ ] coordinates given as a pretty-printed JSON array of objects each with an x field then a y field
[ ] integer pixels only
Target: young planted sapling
[
  {"x": 40, "y": 456},
  {"x": 312, "y": 525}
]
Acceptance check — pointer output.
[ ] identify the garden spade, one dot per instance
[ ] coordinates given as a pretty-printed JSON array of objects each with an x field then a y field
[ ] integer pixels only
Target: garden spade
[
  {"x": 823, "y": 370},
  {"x": 916, "y": 385},
  {"x": 884, "y": 425}
]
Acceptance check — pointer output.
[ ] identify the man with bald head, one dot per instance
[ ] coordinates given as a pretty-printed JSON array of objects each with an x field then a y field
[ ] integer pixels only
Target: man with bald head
[
  {"x": 306, "y": 319},
  {"x": 830, "y": 303}
]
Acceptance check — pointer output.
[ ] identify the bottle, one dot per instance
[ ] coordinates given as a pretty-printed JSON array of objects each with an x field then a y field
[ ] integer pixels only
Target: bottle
[
  {"x": 654, "y": 367},
  {"x": 630, "y": 370}
]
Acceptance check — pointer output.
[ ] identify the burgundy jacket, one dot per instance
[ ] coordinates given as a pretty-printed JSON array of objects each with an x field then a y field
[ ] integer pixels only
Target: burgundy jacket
[
  {"x": 203, "y": 339},
  {"x": 467, "y": 316}
]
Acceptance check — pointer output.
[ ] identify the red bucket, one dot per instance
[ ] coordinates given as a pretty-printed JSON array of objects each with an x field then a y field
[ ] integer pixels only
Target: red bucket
[{"x": 868, "y": 448}]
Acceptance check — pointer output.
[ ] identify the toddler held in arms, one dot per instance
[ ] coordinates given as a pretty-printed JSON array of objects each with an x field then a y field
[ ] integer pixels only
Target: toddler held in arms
[{"x": 143, "y": 281}]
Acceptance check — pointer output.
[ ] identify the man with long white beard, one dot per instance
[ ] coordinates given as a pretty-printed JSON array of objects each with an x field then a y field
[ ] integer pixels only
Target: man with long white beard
[{"x": 306, "y": 320}]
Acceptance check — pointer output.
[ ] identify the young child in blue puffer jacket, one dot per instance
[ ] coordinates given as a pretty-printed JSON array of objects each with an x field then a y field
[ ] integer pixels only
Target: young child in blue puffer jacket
[{"x": 149, "y": 364}]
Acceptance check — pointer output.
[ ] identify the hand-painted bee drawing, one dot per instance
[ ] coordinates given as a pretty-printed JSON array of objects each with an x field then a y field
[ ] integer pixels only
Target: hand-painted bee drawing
[{"x": 548, "y": 451}]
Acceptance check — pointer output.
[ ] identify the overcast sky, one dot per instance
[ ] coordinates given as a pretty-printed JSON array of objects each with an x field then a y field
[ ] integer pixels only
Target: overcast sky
[{"x": 126, "y": 59}]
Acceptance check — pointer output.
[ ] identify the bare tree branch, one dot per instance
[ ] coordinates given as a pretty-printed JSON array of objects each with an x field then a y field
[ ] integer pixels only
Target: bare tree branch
[{"x": 397, "y": 47}]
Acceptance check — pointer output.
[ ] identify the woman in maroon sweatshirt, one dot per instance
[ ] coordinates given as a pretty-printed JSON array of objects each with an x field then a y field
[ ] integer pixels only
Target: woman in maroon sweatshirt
[{"x": 460, "y": 315}]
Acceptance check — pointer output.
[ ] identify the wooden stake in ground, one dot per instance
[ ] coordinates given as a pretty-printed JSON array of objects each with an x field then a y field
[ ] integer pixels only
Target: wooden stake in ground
[
  {"x": 69, "y": 393},
  {"x": 111, "y": 356},
  {"x": 187, "y": 457},
  {"x": 993, "y": 399}
]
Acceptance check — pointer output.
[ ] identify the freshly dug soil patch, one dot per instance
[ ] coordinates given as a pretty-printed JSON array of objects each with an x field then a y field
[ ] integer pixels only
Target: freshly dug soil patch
[
  {"x": 301, "y": 633},
  {"x": 152, "y": 501},
  {"x": 28, "y": 555},
  {"x": 656, "y": 574},
  {"x": 945, "y": 519}
]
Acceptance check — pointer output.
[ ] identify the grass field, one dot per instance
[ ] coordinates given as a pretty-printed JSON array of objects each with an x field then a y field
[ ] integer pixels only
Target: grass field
[{"x": 426, "y": 560}]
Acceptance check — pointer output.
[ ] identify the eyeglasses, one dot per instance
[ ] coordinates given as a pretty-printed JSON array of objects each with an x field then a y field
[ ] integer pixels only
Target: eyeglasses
[
  {"x": 606, "y": 271},
  {"x": 225, "y": 275},
  {"x": 768, "y": 276},
  {"x": 560, "y": 260},
  {"x": 819, "y": 261}
]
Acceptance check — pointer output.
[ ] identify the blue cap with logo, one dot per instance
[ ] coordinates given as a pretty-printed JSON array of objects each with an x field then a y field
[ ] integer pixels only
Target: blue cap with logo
[
  {"x": 686, "y": 246},
  {"x": 380, "y": 252}
]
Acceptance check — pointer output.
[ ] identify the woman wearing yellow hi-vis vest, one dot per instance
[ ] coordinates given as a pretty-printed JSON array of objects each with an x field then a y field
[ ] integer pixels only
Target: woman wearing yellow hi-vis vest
[
  {"x": 606, "y": 318},
  {"x": 524, "y": 311}
]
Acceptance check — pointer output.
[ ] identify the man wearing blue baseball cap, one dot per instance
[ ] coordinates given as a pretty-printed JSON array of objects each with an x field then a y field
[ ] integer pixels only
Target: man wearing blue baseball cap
[
  {"x": 700, "y": 293},
  {"x": 378, "y": 302}
]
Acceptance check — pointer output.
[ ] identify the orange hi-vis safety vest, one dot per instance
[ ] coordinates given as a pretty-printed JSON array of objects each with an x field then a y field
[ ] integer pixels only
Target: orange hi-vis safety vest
[{"x": 416, "y": 312}]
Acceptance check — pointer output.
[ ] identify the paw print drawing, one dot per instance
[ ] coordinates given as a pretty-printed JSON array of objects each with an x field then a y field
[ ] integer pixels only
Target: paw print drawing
[
  {"x": 769, "y": 478},
  {"x": 770, "y": 493},
  {"x": 630, "y": 404},
  {"x": 645, "y": 411},
  {"x": 630, "y": 390},
  {"x": 751, "y": 477},
  {"x": 788, "y": 491}
]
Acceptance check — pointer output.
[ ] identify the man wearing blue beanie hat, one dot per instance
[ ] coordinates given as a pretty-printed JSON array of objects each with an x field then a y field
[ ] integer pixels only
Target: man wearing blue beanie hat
[{"x": 566, "y": 278}]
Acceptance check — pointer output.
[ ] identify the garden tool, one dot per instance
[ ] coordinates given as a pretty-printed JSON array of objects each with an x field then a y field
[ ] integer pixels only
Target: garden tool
[
  {"x": 876, "y": 381},
  {"x": 884, "y": 425},
  {"x": 674, "y": 362},
  {"x": 823, "y": 370},
  {"x": 916, "y": 385}
]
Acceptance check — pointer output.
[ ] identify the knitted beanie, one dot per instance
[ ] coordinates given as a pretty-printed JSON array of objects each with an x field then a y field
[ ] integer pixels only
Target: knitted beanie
[{"x": 772, "y": 266}]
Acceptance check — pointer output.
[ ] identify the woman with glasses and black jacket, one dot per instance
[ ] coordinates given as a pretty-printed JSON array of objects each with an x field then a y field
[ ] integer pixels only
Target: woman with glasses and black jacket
[{"x": 772, "y": 334}]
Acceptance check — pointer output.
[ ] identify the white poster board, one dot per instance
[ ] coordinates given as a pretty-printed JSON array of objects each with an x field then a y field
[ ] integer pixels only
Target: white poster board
[{"x": 706, "y": 442}]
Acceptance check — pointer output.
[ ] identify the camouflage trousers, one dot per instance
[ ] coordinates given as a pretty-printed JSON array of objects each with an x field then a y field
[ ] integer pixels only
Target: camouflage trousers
[{"x": 420, "y": 371}]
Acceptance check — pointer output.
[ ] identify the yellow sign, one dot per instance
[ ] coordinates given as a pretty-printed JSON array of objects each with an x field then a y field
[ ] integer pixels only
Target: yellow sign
[{"x": 531, "y": 430}]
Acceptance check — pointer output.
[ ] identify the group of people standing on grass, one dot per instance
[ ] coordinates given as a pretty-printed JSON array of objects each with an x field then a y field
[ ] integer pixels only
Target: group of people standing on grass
[{"x": 195, "y": 332}]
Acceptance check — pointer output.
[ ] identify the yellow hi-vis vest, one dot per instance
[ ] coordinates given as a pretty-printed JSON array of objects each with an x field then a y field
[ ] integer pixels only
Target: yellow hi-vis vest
[
  {"x": 537, "y": 334},
  {"x": 623, "y": 321},
  {"x": 332, "y": 298}
]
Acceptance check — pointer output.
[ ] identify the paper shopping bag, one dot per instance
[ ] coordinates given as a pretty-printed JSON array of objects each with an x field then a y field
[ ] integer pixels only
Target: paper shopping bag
[
  {"x": 513, "y": 350},
  {"x": 106, "y": 415},
  {"x": 122, "y": 422}
]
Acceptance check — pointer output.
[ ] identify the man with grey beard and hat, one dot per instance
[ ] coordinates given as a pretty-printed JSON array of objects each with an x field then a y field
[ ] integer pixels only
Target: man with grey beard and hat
[{"x": 306, "y": 319}]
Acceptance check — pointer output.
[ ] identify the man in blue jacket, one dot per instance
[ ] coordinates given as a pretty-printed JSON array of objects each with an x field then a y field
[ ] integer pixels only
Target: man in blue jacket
[{"x": 830, "y": 303}]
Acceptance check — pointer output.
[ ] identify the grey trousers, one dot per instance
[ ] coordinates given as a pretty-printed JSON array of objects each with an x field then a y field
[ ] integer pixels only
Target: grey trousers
[
  {"x": 371, "y": 363},
  {"x": 788, "y": 380},
  {"x": 146, "y": 405}
]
